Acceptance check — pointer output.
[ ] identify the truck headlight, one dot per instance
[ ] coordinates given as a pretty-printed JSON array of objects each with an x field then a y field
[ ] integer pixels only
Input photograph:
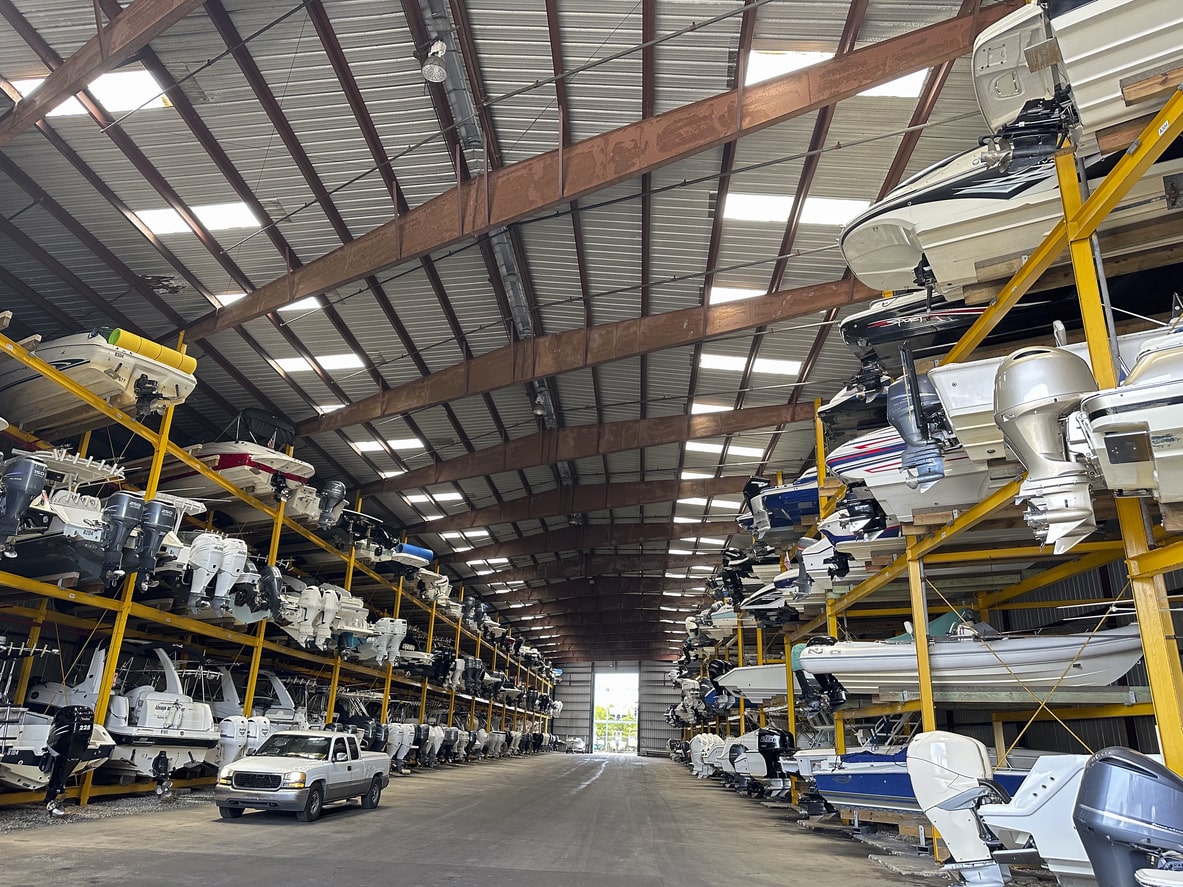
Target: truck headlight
[
  {"x": 224, "y": 776},
  {"x": 294, "y": 779}
]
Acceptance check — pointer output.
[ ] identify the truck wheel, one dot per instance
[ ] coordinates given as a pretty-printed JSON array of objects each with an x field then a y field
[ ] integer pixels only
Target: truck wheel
[
  {"x": 230, "y": 812},
  {"x": 313, "y": 806},
  {"x": 371, "y": 798}
]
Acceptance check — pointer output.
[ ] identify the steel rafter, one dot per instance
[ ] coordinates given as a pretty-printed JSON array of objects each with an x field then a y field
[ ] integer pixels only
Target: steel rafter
[
  {"x": 522, "y": 189},
  {"x": 130, "y": 30},
  {"x": 552, "y": 355},
  {"x": 582, "y": 441},
  {"x": 598, "y": 565},
  {"x": 579, "y": 499},
  {"x": 589, "y": 537}
]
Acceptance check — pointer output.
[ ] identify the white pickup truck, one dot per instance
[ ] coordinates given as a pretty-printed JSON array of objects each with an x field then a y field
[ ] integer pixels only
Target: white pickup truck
[{"x": 302, "y": 770}]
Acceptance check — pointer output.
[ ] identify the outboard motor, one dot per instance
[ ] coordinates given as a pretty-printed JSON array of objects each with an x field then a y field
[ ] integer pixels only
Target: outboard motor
[
  {"x": 158, "y": 519},
  {"x": 1035, "y": 389},
  {"x": 761, "y": 520},
  {"x": 264, "y": 595},
  {"x": 1128, "y": 814},
  {"x": 69, "y": 737},
  {"x": 258, "y": 728},
  {"x": 474, "y": 671},
  {"x": 950, "y": 774},
  {"x": 121, "y": 515},
  {"x": 832, "y": 694},
  {"x": 915, "y": 412},
  {"x": 232, "y": 739},
  {"x": 23, "y": 481},
  {"x": 332, "y": 494}
]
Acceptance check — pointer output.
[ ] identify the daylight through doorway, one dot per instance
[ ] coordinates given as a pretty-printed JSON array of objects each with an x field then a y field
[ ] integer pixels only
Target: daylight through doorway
[{"x": 615, "y": 723}]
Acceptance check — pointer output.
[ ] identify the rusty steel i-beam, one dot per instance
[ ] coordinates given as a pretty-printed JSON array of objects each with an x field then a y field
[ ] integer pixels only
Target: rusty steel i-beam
[{"x": 522, "y": 189}]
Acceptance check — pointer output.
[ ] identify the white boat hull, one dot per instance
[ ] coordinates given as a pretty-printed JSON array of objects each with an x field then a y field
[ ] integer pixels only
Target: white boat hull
[
  {"x": 758, "y": 684},
  {"x": 876, "y": 667},
  {"x": 37, "y": 404}
]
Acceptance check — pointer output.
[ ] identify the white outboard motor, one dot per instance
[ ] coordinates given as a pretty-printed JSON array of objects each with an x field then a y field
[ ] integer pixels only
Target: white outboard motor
[
  {"x": 944, "y": 767},
  {"x": 1128, "y": 814},
  {"x": 232, "y": 739},
  {"x": 207, "y": 552},
  {"x": 1035, "y": 389},
  {"x": 235, "y": 560},
  {"x": 258, "y": 728},
  {"x": 387, "y": 640},
  {"x": 700, "y": 748}
]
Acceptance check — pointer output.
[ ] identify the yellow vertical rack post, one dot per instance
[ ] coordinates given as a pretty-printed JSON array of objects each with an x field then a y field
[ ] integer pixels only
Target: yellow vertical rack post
[
  {"x": 252, "y": 678},
  {"x": 430, "y": 640},
  {"x": 919, "y": 598},
  {"x": 489, "y": 716},
  {"x": 1151, "y": 603},
  {"x": 26, "y": 673},
  {"x": 739, "y": 664},
  {"x": 107, "y": 682},
  {"x": 334, "y": 682},
  {"x": 456, "y": 650},
  {"x": 760, "y": 661},
  {"x": 386, "y": 689}
]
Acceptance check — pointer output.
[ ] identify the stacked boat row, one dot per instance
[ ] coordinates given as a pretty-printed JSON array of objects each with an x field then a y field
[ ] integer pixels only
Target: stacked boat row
[
  {"x": 1089, "y": 819},
  {"x": 172, "y": 714}
]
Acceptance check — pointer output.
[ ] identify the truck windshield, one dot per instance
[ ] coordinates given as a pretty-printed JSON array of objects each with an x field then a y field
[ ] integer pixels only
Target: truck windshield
[{"x": 289, "y": 745}]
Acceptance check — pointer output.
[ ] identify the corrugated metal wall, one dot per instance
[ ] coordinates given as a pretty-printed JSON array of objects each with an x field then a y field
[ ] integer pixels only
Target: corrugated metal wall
[
  {"x": 657, "y": 694},
  {"x": 575, "y": 691}
]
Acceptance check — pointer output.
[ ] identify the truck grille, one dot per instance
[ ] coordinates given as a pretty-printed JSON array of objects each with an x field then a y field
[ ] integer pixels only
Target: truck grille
[{"x": 269, "y": 781}]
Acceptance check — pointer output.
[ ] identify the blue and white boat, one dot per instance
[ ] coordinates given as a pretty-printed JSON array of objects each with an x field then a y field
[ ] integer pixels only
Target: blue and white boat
[{"x": 776, "y": 513}]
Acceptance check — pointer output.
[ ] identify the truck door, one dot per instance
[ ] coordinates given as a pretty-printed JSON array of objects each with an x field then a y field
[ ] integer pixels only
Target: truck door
[
  {"x": 357, "y": 771},
  {"x": 340, "y": 783}
]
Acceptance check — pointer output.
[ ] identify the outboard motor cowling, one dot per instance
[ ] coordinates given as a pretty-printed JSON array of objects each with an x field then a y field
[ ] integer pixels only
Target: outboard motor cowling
[
  {"x": 23, "y": 481},
  {"x": 69, "y": 738},
  {"x": 913, "y": 416},
  {"x": 332, "y": 494},
  {"x": 1035, "y": 389},
  {"x": 158, "y": 520},
  {"x": 122, "y": 513},
  {"x": 1129, "y": 808}
]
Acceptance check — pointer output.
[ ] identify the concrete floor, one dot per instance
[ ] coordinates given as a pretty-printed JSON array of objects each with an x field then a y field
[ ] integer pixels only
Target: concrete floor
[{"x": 545, "y": 821}]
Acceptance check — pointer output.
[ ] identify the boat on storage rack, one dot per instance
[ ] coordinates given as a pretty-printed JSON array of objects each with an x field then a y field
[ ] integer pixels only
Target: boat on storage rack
[
  {"x": 255, "y": 462},
  {"x": 158, "y": 728},
  {"x": 876, "y": 460},
  {"x": 776, "y": 513},
  {"x": 977, "y": 656},
  {"x": 128, "y": 372},
  {"x": 966, "y": 219},
  {"x": 43, "y": 751}
]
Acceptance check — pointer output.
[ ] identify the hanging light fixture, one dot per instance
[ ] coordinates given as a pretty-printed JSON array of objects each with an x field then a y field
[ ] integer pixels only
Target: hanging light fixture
[
  {"x": 433, "y": 64},
  {"x": 539, "y": 406}
]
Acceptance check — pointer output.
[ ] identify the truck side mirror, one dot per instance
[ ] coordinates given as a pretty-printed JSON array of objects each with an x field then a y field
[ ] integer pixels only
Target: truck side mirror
[{"x": 340, "y": 756}]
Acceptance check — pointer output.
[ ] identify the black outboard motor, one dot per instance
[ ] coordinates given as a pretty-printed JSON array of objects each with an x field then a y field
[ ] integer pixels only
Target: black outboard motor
[
  {"x": 161, "y": 773},
  {"x": 331, "y": 495},
  {"x": 122, "y": 513},
  {"x": 158, "y": 520},
  {"x": 773, "y": 744},
  {"x": 264, "y": 595},
  {"x": 447, "y": 750},
  {"x": 830, "y": 687},
  {"x": 69, "y": 737},
  {"x": 419, "y": 745},
  {"x": 474, "y": 673},
  {"x": 23, "y": 481},
  {"x": 532, "y": 699},
  {"x": 1129, "y": 812}
]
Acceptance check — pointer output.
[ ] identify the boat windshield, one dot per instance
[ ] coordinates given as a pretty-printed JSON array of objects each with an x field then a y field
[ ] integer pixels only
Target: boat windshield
[{"x": 289, "y": 745}]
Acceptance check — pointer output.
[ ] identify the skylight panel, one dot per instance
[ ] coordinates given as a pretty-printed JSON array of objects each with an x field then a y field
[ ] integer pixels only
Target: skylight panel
[
  {"x": 720, "y": 295},
  {"x": 214, "y": 216},
  {"x": 835, "y": 211},
  {"x": 309, "y": 304},
  {"x": 116, "y": 91},
  {"x": 766, "y": 64},
  {"x": 695, "y": 475},
  {"x": 701, "y": 406},
  {"x": 395, "y": 443}
]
